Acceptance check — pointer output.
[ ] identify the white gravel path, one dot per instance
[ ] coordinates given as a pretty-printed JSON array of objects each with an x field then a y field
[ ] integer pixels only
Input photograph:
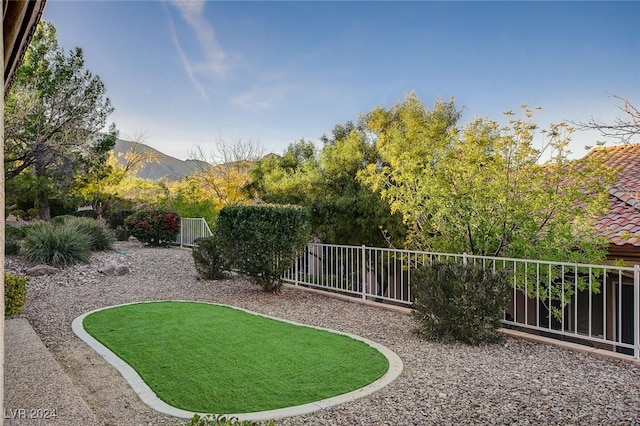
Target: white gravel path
[{"x": 518, "y": 382}]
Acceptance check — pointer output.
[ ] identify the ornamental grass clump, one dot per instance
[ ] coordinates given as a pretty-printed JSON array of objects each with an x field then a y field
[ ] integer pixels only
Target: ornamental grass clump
[
  {"x": 455, "y": 302},
  {"x": 13, "y": 236},
  {"x": 101, "y": 237},
  {"x": 57, "y": 245}
]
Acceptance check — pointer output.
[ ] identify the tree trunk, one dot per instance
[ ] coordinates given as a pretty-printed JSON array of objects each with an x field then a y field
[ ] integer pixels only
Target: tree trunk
[{"x": 43, "y": 205}]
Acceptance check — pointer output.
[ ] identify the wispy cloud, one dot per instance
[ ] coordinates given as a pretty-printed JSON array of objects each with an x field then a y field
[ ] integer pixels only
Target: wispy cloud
[
  {"x": 193, "y": 13},
  {"x": 185, "y": 62}
]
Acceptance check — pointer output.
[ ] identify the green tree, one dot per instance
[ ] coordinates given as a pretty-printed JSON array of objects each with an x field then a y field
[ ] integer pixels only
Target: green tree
[
  {"x": 481, "y": 190},
  {"x": 343, "y": 210},
  {"x": 55, "y": 119},
  {"x": 119, "y": 177}
]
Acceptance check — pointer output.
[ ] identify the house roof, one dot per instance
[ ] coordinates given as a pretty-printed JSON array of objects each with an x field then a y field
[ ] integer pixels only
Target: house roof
[
  {"x": 621, "y": 224},
  {"x": 19, "y": 22}
]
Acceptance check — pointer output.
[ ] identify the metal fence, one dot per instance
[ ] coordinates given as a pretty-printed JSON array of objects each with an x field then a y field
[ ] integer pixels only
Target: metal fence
[
  {"x": 192, "y": 228},
  {"x": 589, "y": 304}
]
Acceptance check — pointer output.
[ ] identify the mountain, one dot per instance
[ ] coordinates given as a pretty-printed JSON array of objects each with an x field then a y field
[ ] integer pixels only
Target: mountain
[{"x": 163, "y": 167}]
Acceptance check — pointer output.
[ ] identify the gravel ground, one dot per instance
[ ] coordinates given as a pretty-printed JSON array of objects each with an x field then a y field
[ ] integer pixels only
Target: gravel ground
[{"x": 517, "y": 382}]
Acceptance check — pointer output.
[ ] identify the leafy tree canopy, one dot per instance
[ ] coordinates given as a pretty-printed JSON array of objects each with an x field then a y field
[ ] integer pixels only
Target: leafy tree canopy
[
  {"x": 343, "y": 210},
  {"x": 55, "y": 119},
  {"x": 480, "y": 189}
]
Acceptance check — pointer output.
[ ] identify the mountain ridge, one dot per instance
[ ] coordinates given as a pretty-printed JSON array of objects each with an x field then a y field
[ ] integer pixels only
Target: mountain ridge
[{"x": 162, "y": 167}]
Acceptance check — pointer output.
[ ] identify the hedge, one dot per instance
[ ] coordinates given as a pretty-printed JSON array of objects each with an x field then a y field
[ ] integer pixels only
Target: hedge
[{"x": 262, "y": 241}]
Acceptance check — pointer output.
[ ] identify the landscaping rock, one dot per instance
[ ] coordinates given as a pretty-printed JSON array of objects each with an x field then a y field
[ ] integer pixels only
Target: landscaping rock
[
  {"x": 40, "y": 270},
  {"x": 519, "y": 382},
  {"x": 113, "y": 269}
]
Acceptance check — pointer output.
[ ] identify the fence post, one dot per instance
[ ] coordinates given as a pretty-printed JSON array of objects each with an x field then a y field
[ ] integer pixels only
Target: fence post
[
  {"x": 364, "y": 273},
  {"x": 636, "y": 307},
  {"x": 297, "y": 268},
  {"x": 181, "y": 231},
  {"x": 464, "y": 258}
]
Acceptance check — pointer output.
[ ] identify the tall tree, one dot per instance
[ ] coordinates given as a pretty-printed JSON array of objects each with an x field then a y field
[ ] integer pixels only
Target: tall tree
[
  {"x": 343, "y": 210},
  {"x": 118, "y": 177},
  {"x": 225, "y": 171},
  {"x": 480, "y": 189},
  {"x": 55, "y": 120}
]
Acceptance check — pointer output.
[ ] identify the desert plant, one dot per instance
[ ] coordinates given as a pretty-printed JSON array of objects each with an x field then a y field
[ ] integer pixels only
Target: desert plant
[
  {"x": 460, "y": 302},
  {"x": 58, "y": 246},
  {"x": 99, "y": 233},
  {"x": 15, "y": 294},
  {"x": 32, "y": 213},
  {"x": 61, "y": 219},
  {"x": 85, "y": 213},
  {"x": 14, "y": 232},
  {"x": 156, "y": 228},
  {"x": 220, "y": 420},
  {"x": 208, "y": 259},
  {"x": 116, "y": 219},
  {"x": 11, "y": 246},
  {"x": 12, "y": 237},
  {"x": 262, "y": 241}
]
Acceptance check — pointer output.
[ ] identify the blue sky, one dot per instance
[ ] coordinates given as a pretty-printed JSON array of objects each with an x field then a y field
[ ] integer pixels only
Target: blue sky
[{"x": 188, "y": 73}]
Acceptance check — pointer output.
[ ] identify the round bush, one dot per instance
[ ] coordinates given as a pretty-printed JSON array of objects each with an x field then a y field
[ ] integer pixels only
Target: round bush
[
  {"x": 157, "y": 228},
  {"x": 33, "y": 213},
  {"x": 465, "y": 303},
  {"x": 15, "y": 294}
]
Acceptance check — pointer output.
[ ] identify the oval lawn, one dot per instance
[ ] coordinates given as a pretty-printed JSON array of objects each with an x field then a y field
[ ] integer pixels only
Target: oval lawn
[{"x": 210, "y": 358}]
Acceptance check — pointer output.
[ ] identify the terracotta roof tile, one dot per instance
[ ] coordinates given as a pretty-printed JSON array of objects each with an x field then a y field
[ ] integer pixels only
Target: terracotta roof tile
[{"x": 621, "y": 224}]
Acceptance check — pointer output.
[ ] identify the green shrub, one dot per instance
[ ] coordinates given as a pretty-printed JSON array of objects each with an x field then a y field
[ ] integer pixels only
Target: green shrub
[
  {"x": 32, "y": 213},
  {"x": 116, "y": 219},
  {"x": 458, "y": 302},
  {"x": 60, "y": 246},
  {"x": 11, "y": 246},
  {"x": 121, "y": 233},
  {"x": 85, "y": 213},
  {"x": 19, "y": 213},
  {"x": 61, "y": 219},
  {"x": 157, "y": 228},
  {"x": 14, "y": 232},
  {"x": 220, "y": 420},
  {"x": 261, "y": 241},
  {"x": 208, "y": 259},
  {"x": 15, "y": 294},
  {"x": 99, "y": 233}
]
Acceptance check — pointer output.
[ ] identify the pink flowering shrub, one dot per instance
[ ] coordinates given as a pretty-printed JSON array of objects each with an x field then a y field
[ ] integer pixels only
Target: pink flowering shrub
[{"x": 157, "y": 228}]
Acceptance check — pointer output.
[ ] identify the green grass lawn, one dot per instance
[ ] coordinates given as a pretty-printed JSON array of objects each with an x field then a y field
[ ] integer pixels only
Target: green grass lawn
[{"x": 215, "y": 359}]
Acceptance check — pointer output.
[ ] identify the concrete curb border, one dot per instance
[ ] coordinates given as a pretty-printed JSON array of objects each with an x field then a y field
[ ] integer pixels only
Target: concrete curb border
[{"x": 147, "y": 395}]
